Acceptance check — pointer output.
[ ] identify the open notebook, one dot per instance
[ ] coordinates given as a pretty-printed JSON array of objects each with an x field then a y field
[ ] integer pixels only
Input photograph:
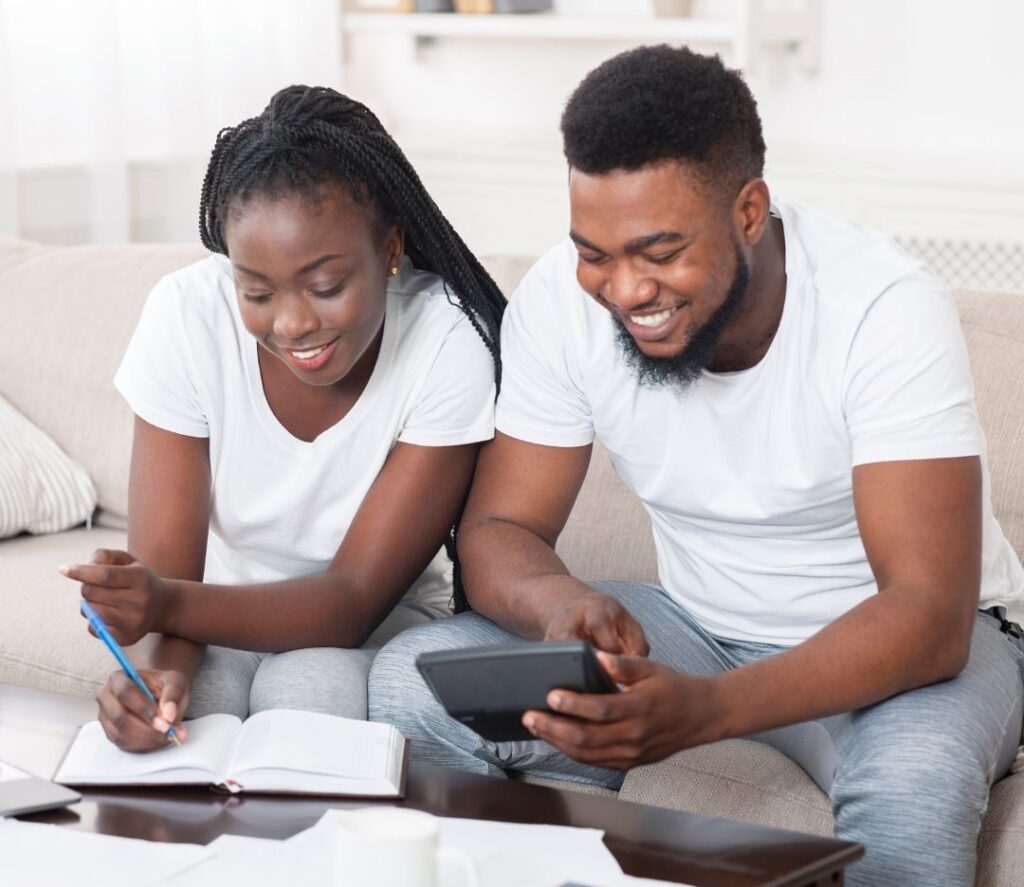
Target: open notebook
[{"x": 297, "y": 752}]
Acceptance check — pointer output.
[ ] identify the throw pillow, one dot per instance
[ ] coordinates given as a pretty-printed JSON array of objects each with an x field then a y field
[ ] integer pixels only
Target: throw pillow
[{"x": 42, "y": 490}]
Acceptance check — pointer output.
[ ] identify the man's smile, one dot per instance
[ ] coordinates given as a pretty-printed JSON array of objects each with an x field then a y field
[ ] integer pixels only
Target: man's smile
[{"x": 651, "y": 326}]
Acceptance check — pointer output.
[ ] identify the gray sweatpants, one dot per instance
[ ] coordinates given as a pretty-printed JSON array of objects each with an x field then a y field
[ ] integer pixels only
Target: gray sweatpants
[
  {"x": 909, "y": 777},
  {"x": 330, "y": 680}
]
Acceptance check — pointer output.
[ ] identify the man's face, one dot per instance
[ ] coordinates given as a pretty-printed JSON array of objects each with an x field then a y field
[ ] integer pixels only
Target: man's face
[{"x": 662, "y": 255}]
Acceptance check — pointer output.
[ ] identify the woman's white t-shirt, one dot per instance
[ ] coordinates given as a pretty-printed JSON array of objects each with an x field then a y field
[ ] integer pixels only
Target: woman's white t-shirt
[
  {"x": 748, "y": 476},
  {"x": 281, "y": 506}
]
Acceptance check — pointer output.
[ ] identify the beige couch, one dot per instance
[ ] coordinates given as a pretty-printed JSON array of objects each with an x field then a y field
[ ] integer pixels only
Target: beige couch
[{"x": 65, "y": 318}]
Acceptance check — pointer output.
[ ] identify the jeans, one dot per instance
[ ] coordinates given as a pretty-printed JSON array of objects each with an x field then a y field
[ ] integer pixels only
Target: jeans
[{"x": 908, "y": 777}]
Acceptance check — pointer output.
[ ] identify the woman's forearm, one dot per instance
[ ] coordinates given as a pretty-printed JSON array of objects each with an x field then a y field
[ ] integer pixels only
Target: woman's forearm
[
  {"x": 158, "y": 651},
  {"x": 317, "y": 611}
]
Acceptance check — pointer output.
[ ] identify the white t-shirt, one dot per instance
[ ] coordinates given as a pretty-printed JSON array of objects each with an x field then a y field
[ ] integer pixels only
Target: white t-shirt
[
  {"x": 281, "y": 506},
  {"x": 747, "y": 476}
]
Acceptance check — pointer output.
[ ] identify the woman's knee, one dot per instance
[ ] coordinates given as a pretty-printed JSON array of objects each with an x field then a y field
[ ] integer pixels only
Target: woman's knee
[
  {"x": 222, "y": 683},
  {"x": 329, "y": 680}
]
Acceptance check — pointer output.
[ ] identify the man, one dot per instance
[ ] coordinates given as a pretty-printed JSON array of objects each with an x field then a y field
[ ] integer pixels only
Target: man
[{"x": 791, "y": 399}]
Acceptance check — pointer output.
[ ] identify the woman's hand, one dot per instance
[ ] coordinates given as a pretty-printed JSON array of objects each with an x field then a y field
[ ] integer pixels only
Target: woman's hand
[
  {"x": 131, "y": 721},
  {"x": 129, "y": 597}
]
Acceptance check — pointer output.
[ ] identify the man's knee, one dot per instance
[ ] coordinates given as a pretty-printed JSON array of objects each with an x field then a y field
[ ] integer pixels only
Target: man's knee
[
  {"x": 916, "y": 805},
  {"x": 396, "y": 690},
  {"x": 394, "y": 685}
]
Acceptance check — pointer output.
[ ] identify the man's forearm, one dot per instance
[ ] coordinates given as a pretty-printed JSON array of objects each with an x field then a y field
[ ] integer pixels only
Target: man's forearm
[
  {"x": 513, "y": 576},
  {"x": 892, "y": 642},
  {"x": 313, "y": 612}
]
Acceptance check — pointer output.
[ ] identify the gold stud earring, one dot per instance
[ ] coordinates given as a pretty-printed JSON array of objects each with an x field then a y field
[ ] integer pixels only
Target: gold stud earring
[{"x": 394, "y": 270}]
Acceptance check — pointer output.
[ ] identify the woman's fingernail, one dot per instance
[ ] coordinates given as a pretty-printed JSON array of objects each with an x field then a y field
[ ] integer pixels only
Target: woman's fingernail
[
  {"x": 531, "y": 722},
  {"x": 170, "y": 711},
  {"x": 64, "y": 571},
  {"x": 161, "y": 724},
  {"x": 555, "y": 701}
]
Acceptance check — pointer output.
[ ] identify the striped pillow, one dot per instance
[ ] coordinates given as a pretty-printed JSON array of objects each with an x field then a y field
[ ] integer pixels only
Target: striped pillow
[{"x": 41, "y": 489}]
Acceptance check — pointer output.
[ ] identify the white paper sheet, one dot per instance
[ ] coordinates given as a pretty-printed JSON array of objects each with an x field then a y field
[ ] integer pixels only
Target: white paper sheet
[
  {"x": 53, "y": 856},
  {"x": 506, "y": 855}
]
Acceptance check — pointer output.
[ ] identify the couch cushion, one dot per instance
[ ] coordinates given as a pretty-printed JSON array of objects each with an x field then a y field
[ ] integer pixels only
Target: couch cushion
[
  {"x": 1001, "y": 842},
  {"x": 993, "y": 325},
  {"x": 43, "y": 641},
  {"x": 41, "y": 489},
  {"x": 77, "y": 306},
  {"x": 737, "y": 779},
  {"x": 507, "y": 270},
  {"x": 751, "y": 782}
]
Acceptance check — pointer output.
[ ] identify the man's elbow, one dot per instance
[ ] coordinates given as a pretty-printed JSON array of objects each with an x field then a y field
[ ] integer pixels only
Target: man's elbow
[{"x": 950, "y": 654}]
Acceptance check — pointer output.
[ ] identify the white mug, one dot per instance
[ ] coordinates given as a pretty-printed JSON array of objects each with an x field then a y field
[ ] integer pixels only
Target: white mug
[{"x": 392, "y": 847}]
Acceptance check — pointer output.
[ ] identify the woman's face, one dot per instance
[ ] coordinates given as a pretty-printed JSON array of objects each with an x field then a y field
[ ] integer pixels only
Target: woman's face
[{"x": 311, "y": 277}]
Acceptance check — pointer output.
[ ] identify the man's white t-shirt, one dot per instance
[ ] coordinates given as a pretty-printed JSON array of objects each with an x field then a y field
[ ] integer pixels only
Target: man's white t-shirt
[
  {"x": 747, "y": 476},
  {"x": 281, "y": 506}
]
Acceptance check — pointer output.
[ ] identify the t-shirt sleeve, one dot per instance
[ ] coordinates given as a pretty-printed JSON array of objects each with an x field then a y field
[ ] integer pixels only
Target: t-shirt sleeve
[
  {"x": 908, "y": 392},
  {"x": 456, "y": 401},
  {"x": 157, "y": 376},
  {"x": 541, "y": 399}
]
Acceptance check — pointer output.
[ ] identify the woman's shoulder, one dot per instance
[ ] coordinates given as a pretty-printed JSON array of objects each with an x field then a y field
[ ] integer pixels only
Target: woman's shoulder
[
  {"x": 431, "y": 325},
  {"x": 207, "y": 280},
  {"x": 198, "y": 296},
  {"x": 428, "y": 305}
]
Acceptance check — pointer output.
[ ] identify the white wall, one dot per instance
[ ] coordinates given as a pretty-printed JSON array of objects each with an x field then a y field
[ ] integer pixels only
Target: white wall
[
  {"x": 912, "y": 122},
  {"x": 109, "y": 108}
]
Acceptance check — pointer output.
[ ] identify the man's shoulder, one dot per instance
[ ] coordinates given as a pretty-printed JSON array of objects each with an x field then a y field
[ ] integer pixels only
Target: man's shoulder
[
  {"x": 848, "y": 266},
  {"x": 554, "y": 273},
  {"x": 549, "y": 292}
]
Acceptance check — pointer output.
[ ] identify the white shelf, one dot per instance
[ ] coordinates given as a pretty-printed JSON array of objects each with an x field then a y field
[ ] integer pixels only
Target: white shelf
[
  {"x": 753, "y": 26},
  {"x": 543, "y": 26}
]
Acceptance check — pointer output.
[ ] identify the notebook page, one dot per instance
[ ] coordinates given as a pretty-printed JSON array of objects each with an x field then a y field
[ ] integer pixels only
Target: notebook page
[
  {"x": 312, "y": 743},
  {"x": 95, "y": 760}
]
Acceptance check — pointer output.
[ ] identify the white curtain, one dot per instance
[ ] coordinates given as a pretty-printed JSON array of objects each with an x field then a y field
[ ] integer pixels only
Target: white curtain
[{"x": 109, "y": 108}]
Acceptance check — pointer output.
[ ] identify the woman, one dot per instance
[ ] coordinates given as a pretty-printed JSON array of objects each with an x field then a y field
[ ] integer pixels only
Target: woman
[{"x": 308, "y": 402}]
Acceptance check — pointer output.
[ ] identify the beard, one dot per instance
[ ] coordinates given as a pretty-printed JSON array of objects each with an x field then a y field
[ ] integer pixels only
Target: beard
[{"x": 686, "y": 367}]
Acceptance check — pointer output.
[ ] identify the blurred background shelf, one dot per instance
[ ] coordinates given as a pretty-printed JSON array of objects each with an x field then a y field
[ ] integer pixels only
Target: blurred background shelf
[
  {"x": 746, "y": 31},
  {"x": 543, "y": 26}
]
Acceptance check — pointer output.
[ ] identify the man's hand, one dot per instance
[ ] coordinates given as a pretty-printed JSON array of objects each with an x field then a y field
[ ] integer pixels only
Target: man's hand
[
  {"x": 658, "y": 712},
  {"x": 131, "y": 721},
  {"x": 600, "y": 619},
  {"x": 128, "y": 595}
]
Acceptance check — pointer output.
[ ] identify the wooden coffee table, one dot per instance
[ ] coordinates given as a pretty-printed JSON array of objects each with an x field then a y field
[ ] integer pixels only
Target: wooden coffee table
[
  {"x": 647, "y": 841},
  {"x": 35, "y": 727}
]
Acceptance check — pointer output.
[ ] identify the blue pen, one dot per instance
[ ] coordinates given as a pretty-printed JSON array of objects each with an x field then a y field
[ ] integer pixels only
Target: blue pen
[{"x": 100, "y": 627}]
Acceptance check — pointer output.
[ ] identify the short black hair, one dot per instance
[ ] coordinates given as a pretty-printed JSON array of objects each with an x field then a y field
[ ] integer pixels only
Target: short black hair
[
  {"x": 658, "y": 103},
  {"x": 311, "y": 136}
]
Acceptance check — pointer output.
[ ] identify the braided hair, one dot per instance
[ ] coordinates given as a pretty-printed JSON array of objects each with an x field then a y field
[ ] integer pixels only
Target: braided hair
[{"x": 308, "y": 137}]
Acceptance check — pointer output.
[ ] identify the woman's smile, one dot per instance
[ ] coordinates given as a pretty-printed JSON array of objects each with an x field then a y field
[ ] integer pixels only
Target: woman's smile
[{"x": 309, "y": 359}]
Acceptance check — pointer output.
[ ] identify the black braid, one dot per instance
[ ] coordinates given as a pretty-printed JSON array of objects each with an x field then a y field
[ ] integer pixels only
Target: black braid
[{"x": 311, "y": 136}]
